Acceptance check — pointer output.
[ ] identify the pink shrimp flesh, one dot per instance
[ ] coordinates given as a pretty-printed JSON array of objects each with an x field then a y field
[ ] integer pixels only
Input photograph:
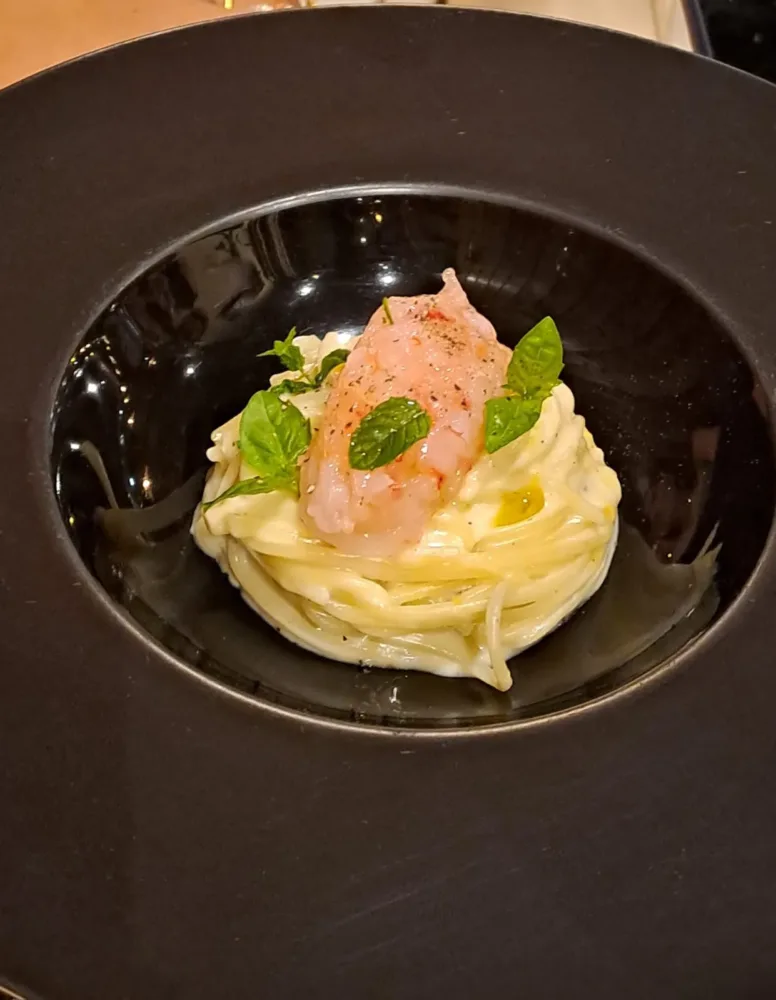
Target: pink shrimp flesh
[{"x": 438, "y": 351}]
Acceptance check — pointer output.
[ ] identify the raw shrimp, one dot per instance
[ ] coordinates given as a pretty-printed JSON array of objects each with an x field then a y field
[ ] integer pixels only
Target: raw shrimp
[{"x": 439, "y": 351}]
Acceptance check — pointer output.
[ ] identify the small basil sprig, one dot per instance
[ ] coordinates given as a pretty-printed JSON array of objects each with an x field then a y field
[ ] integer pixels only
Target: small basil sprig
[
  {"x": 507, "y": 418},
  {"x": 292, "y": 387},
  {"x": 386, "y": 432},
  {"x": 246, "y": 487},
  {"x": 533, "y": 372},
  {"x": 273, "y": 437},
  {"x": 331, "y": 361},
  {"x": 537, "y": 361},
  {"x": 289, "y": 355}
]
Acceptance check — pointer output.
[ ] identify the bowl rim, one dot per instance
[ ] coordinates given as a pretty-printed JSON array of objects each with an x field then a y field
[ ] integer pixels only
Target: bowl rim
[
  {"x": 361, "y": 20},
  {"x": 108, "y": 160},
  {"x": 678, "y": 660},
  {"x": 40, "y": 90}
]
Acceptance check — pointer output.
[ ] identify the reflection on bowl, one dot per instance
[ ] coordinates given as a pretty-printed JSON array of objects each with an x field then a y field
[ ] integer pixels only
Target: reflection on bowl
[{"x": 664, "y": 389}]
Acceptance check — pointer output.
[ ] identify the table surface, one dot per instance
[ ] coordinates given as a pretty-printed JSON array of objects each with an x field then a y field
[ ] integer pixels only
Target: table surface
[
  {"x": 35, "y": 34},
  {"x": 39, "y": 33}
]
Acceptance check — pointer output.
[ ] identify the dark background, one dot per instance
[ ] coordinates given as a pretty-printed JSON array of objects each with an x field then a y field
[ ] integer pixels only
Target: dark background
[{"x": 743, "y": 33}]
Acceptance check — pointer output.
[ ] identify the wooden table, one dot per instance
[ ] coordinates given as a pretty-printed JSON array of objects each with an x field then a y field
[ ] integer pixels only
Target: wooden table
[{"x": 35, "y": 34}]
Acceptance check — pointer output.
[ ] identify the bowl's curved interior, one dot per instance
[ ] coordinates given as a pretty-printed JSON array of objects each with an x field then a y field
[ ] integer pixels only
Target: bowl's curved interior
[{"x": 665, "y": 391}]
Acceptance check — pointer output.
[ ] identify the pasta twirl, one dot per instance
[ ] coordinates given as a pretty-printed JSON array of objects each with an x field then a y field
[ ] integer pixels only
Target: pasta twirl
[{"x": 525, "y": 539}]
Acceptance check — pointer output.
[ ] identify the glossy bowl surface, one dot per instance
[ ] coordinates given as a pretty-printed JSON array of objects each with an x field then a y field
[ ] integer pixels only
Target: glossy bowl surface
[
  {"x": 666, "y": 392},
  {"x": 162, "y": 837}
]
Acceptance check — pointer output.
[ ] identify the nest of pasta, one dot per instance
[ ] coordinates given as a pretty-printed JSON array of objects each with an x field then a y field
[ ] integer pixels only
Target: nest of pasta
[{"x": 524, "y": 539}]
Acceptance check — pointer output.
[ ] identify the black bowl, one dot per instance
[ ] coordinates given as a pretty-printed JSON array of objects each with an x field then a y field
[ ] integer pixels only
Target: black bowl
[
  {"x": 164, "y": 837},
  {"x": 666, "y": 391}
]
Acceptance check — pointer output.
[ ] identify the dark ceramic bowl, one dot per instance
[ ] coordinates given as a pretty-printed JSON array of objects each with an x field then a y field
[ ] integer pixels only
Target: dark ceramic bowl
[
  {"x": 666, "y": 390},
  {"x": 171, "y": 206}
]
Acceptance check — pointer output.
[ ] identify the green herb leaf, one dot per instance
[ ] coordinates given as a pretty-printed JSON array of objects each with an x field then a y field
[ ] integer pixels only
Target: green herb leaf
[
  {"x": 537, "y": 361},
  {"x": 386, "y": 432},
  {"x": 387, "y": 311},
  {"x": 532, "y": 374},
  {"x": 248, "y": 487},
  {"x": 507, "y": 418},
  {"x": 331, "y": 361},
  {"x": 292, "y": 386},
  {"x": 273, "y": 436},
  {"x": 289, "y": 355}
]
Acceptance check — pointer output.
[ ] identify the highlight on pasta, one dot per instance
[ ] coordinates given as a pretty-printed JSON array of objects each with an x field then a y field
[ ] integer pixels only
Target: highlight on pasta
[{"x": 417, "y": 497}]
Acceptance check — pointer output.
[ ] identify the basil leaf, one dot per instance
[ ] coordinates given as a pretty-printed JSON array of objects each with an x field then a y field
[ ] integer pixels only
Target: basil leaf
[
  {"x": 248, "y": 487},
  {"x": 386, "y": 432},
  {"x": 507, "y": 418},
  {"x": 532, "y": 374},
  {"x": 331, "y": 361},
  {"x": 289, "y": 355},
  {"x": 273, "y": 435},
  {"x": 292, "y": 386},
  {"x": 537, "y": 361}
]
